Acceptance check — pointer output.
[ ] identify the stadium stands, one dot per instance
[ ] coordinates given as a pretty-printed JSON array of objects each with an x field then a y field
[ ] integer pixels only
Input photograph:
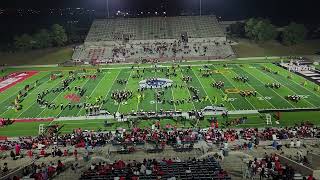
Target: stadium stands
[
  {"x": 160, "y": 38},
  {"x": 152, "y": 169}
]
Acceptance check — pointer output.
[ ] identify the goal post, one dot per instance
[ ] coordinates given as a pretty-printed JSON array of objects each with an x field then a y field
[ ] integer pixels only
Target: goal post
[
  {"x": 41, "y": 129},
  {"x": 268, "y": 119}
]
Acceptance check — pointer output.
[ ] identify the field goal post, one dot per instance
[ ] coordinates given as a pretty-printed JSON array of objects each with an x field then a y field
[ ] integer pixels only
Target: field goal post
[
  {"x": 41, "y": 129},
  {"x": 268, "y": 119}
]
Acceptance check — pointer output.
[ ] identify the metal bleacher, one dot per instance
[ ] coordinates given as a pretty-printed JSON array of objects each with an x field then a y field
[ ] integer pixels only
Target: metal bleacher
[
  {"x": 204, "y": 170},
  {"x": 154, "y": 28}
]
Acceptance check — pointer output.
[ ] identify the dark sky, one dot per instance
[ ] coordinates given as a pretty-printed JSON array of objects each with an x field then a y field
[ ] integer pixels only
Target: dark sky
[{"x": 286, "y": 10}]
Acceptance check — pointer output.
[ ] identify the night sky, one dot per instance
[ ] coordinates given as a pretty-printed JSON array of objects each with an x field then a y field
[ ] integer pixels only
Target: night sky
[{"x": 278, "y": 10}]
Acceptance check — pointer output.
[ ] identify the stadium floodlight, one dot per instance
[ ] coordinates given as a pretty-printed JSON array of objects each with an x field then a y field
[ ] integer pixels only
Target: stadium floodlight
[
  {"x": 107, "y": 9},
  {"x": 200, "y": 8}
]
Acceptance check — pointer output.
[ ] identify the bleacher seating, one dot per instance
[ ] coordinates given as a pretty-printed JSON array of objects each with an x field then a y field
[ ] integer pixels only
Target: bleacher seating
[
  {"x": 120, "y": 39},
  {"x": 204, "y": 169},
  {"x": 154, "y": 28}
]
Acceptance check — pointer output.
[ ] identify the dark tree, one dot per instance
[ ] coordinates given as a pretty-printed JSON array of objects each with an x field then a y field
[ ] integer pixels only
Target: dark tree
[
  {"x": 293, "y": 34},
  {"x": 58, "y": 35}
]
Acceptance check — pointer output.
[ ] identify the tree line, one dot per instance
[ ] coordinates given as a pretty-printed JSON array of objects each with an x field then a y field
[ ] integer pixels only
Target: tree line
[
  {"x": 262, "y": 30},
  {"x": 56, "y": 36}
]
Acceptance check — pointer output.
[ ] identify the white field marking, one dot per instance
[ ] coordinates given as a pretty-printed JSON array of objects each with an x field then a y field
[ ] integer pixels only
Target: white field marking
[
  {"x": 202, "y": 86},
  {"x": 253, "y": 87},
  {"x": 234, "y": 87},
  {"x": 125, "y": 87},
  {"x": 174, "y": 104},
  {"x": 28, "y": 106},
  {"x": 104, "y": 76},
  {"x": 17, "y": 90},
  {"x": 111, "y": 87},
  {"x": 187, "y": 89},
  {"x": 36, "y": 101},
  {"x": 53, "y": 101},
  {"x": 304, "y": 87},
  {"x": 81, "y": 87},
  {"x": 276, "y": 91},
  {"x": 290, "y": 90},
  {"x": 222, "y": 92},
  {"x": 155, "y": 75}
]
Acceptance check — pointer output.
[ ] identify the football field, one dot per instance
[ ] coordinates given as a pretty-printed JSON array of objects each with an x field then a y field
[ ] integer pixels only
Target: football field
[{"x": 177, "y": 97}]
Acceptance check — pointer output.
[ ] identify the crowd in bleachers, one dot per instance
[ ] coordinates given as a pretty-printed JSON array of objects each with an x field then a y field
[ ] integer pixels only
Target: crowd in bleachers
[
  {"x": 154, "y": 50},
  {"x": 269, "y": 167},
  {"x": 38, "y": 147},
  {"x": 170, "y": 169},
  {"x": 115, "y": 40},
  {"x": 168, "y": 135}
]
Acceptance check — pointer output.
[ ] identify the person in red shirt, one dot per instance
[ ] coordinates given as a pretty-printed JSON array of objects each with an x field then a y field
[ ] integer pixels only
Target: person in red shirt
[
  {"x": 65, "y": 153},
  {"x": 60, "y": 167},
  {"x": 75, "y": 153},
  {"x": 310, "y": 177},
  {"x": 30, "y": 153},
  {"x": 42, "y": 153}
]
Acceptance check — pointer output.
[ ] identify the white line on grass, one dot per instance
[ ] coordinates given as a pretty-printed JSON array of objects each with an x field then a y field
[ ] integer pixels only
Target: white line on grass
[
  {"x": 125, "y": 87},
  {"x": 252, "y": 86},
  {"x": 235, "y": 87},
  {"x": 223, "y": 93},
  {"x": 174, "y": 104},
  {"x": 36, "y": 101},
  {"x": 111, "y": 87},
  {"x": 93, "y": 91},
  {"x": 187, "y": 88},
  {"x": 202, "y": 86},
  {"x": 28, "y": 94},
  {"x": 304, "y": 87},
  {"x": 81, "y": 87},
  {"x": 18, "y": 90},
  {"x": 288, "y": 89},
  {"x": 55, "y": 99},
  {"x": 155, "y": 75}
]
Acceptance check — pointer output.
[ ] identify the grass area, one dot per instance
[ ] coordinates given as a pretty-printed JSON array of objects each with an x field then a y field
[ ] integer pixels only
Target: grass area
[
  {"x": 37, "y": 57},
  {"x": 106, "y": 83},
  {"x": 254, "y": 120},
  {"x": 246, "y": 48}
]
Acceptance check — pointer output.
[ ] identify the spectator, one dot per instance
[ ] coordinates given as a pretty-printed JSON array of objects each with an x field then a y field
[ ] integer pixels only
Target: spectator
[{"x": 298, "y": 143}]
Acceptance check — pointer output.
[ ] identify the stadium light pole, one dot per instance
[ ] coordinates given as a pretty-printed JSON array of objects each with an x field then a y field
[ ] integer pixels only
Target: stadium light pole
[
  {"x": 107, "y": 9},
  {"x": 200, "y": 9}
]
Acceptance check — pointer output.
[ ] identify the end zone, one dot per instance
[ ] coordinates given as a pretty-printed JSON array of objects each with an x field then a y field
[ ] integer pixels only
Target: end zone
[{"x": 14, "y": 78}]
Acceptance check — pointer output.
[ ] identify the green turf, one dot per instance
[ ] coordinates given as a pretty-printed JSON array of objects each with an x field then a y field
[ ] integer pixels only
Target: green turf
[
  {"x": 254, "y": 120},
  {"x": 105, "y": 84}
]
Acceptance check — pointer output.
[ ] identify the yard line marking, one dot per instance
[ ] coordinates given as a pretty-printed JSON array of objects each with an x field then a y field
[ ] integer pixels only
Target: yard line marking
[
  {"x": 302, "y": 86},
  {"x": 18, "y": 90},
  {"x": 276, "y": 91},
  {"x": 111, "y": 87},
  {"x": 28, "y": 94},
  {"x": 235, "y": 87},
  {"x": 155, "y": 75},
  {"x": 289, "y": 89},
  {"x": 54, "y": 100},
  {"x": 81, "y": 87},
  {"x": 187, "y": 88},
  {"x": 202, "y": 86},
  {"x": 174, "y": 104},
  {"x": 252, "y": 86},
  {"x": 36, "y": 101},
  {"x": 104, "y": 76},
  {"x": 223, "y": 93},
  {"x": 125, "y": 87}
]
